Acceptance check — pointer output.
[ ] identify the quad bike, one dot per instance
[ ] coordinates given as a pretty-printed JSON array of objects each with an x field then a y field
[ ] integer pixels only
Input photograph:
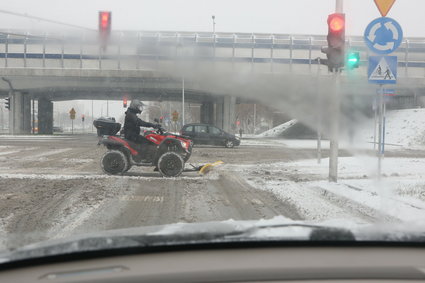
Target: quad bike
[{"x": 166, "y": 152}]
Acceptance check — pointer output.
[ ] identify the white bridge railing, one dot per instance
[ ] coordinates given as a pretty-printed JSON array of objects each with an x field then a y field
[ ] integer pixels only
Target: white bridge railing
[{"x": 141, "y": 50}]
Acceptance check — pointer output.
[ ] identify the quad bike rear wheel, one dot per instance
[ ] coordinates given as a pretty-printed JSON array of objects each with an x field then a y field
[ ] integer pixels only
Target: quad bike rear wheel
[
  {"x": 170, "y": 164},
  {"x": 114, "y": 162}
]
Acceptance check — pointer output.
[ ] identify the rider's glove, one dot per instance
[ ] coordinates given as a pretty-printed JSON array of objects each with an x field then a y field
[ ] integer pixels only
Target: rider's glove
[{"x": 157, "y": 126}]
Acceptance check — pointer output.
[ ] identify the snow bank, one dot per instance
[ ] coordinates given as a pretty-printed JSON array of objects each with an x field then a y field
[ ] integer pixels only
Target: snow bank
[
  {"x": 277, "y": 131},
  {"x": 404, "y": 127},
  {"x": 358, "y": 197}
]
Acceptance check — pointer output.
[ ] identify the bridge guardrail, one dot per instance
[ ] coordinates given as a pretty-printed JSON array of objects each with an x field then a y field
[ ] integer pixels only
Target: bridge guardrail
[{"x": 17, "y": 50}]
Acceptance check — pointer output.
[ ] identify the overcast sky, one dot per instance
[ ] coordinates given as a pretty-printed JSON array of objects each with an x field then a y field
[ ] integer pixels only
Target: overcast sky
[{"x": 267, "y": 16}]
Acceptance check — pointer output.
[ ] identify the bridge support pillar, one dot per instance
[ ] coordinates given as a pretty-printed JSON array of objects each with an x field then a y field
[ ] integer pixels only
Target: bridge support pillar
[
  {"x": 45, "y": 116},
  {"x": 207, "y": 113},
  {"x": 20, "y": 113},
  {"x": 219, "y": 114},
  {"x": 227, "y": 115}
]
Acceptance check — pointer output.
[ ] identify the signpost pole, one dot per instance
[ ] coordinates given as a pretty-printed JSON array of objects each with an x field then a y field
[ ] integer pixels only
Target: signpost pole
[
  {"x": 375, "y": 106},
  {"x": 383, "y": 127},
  {"x": 380, "y": 137}
]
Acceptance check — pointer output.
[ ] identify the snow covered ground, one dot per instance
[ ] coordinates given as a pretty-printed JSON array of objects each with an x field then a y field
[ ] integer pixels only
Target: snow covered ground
[{"x": 358, "y": 197}]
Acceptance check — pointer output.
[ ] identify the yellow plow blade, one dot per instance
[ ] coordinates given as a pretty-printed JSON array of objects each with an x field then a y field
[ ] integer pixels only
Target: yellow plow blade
[{"x": 208, "y": 167}]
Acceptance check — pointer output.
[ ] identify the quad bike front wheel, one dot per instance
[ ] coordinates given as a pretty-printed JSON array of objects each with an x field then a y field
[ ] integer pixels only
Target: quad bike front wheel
[
  {"x": 189, "y": 153},
  {"x": 114, "y": 162},
  {"x": 170, "y": 164}
]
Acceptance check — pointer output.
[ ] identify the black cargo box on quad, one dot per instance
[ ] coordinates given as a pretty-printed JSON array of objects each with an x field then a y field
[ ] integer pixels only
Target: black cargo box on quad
[{"x": 106, "y": 126}]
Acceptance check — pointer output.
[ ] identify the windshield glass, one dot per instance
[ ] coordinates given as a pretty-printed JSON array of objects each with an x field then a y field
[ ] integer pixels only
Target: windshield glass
[{"x": 272, "y": 112}]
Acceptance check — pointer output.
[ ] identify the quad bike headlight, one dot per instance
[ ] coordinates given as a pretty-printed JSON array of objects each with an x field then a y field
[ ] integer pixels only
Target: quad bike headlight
[{"x": 184, "y": 144}]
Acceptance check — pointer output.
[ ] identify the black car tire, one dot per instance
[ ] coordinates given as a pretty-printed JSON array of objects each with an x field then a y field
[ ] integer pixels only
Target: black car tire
[
  {"x": 229, "y": 143},
  {"x": 170, "y": 164},
  {"x": 114, "y": 162}
]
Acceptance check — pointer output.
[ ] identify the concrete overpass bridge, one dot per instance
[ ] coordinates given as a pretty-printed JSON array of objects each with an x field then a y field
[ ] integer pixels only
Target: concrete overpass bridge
[{"x": 217, "y": 69}]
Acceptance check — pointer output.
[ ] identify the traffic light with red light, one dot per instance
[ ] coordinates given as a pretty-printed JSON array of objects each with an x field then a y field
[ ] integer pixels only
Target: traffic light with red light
[
  {"x": 105, "y": 19},
  {"x": 7, "y": 103},
  {"x": 105, "y": 22},
  {"x": 335, "y": 51},
  {"x": 124, "y": 102}
]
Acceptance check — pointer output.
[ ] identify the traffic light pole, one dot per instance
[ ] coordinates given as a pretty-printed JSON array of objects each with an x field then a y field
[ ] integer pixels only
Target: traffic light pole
[
  {"x": 335, "y": 110},
  {"x": 339, "y": 6},
  {"x": 319, "y": 114}
]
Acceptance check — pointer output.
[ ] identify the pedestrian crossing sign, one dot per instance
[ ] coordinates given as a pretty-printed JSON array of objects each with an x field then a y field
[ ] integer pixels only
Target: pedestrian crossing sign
[{"x": 382, "y": 69}]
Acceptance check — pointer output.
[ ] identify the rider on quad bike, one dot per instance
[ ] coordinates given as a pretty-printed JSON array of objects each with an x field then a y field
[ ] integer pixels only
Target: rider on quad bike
[
  {"x": 166, "y": 152},
  {"x": 132, "y": 123}
]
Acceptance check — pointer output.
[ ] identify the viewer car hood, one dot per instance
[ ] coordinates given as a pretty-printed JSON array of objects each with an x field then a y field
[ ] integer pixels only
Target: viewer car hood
[{"x": 278, "y": 229}]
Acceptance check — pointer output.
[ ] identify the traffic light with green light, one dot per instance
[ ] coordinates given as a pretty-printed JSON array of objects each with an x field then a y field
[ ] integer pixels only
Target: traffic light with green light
[{"x": 353, "y": 60}]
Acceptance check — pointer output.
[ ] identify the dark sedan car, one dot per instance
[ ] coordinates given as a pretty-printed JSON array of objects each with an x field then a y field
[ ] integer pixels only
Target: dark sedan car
[{"x": 209, "y": 135}]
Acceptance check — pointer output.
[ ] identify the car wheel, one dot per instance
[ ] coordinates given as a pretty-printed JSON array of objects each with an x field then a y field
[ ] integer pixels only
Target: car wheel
[
  {"x": 229, "y": 144},
  {"x": 114, "y": 162},
  {"x": 170, "y": 164}
]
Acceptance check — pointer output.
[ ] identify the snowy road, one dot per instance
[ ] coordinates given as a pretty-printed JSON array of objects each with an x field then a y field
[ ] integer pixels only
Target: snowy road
[{"x": 53, "y": 187}]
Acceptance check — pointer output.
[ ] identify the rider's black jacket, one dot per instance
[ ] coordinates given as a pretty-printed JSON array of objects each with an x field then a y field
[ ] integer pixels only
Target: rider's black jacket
[{"x": 132, "y": 125}]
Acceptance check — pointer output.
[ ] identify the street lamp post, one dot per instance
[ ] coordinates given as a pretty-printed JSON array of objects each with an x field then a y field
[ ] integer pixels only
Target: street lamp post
[
  {"x": 213, "y": 19},
  {"x": 101, "y": 108}
]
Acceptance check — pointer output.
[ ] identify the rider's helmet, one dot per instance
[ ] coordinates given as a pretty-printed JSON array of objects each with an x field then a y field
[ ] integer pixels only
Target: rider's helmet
[{"x": 136, "y": 105}]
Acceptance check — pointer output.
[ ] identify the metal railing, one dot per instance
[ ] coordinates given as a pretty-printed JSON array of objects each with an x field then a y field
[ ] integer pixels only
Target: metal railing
[{"x": 134, "y": 50}]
